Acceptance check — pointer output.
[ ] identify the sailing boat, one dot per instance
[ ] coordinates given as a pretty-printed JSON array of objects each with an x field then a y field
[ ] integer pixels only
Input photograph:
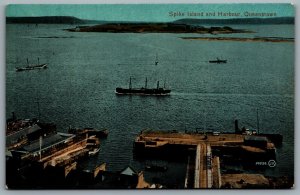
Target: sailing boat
[
  {"x": 143, "y": 90},
  {"x": 32, "y": 67}
]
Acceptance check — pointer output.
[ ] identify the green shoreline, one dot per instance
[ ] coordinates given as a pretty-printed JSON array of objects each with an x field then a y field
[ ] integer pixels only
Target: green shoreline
[{"x": 255, "y": 39}]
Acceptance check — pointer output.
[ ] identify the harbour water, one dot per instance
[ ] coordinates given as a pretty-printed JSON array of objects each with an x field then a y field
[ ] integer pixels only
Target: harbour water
[{"x": 78, "y": 88}]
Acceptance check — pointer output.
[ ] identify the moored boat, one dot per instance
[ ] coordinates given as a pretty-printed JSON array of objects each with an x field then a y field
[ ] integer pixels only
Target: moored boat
[
  {"x": 94, "y": 151},
  {"x": 103, "y": 133},
  {"x": 93, "y": 145}
]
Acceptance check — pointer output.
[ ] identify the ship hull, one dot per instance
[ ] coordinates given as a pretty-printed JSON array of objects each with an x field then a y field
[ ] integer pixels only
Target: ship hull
[
  {"x": 143, "y": 91},
  {"x": 27, "y": 68},
  {"x": 218, "y": 61}
]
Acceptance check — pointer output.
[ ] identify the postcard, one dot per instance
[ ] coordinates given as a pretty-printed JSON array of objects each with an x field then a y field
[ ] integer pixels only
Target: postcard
[{"x": 150, "y": 96}]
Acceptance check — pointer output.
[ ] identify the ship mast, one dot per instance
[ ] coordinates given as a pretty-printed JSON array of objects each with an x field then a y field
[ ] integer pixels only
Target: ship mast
[
  {"x": 41, "y": 139},
  {"x": 27, "y": 62},
  {"x": 257, "y": 121},
  {"x": 38, "y": 61},
  {"x": 204, "y": 125},
  {"x": 146, "y": 83},
  {"x": 157, "y": 84},
  {"x": 38, "y": 107},
  {"x": 130, "y": 83}
]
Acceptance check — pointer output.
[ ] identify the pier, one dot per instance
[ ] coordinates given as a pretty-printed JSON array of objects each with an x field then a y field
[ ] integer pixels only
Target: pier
[{"x": 204, "y": 168}]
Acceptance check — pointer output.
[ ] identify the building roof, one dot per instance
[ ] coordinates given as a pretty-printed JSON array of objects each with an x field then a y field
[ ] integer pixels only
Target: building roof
[
  {"x": 47, "y": 142},
  {"x": 13, "y": 138},
  {"x": 128, "y": 171},
  {"x": 8, "y": 153}
]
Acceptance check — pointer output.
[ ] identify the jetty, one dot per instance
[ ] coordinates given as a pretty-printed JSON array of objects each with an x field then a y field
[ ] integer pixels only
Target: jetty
[{"x": 204, "y": 152}]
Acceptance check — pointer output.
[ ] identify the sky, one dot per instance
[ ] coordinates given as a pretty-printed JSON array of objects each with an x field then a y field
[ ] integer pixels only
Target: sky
[{"x": 145, "y": 12}]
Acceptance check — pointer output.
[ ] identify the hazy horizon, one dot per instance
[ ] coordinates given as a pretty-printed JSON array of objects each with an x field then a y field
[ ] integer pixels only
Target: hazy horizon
[{"x": 148, "y": 12}]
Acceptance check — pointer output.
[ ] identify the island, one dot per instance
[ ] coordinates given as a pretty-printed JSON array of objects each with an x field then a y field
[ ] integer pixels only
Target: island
[
  {"x": 143, "y": 27},
  {"x": 185, "y": 25}
]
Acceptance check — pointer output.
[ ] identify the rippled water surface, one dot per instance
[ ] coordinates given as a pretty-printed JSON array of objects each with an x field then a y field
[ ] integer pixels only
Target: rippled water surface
[{"x": 78, "y": 88}]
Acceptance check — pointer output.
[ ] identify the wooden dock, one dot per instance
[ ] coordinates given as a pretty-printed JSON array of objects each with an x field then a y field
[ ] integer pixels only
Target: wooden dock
[{"x": 207, "y": 171}]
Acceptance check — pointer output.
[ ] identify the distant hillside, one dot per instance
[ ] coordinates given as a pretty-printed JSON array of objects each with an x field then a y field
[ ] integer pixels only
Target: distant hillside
[
  {"x": 278, "y": 20},
  {"x": 49, "y": 20},
  {"x": 74, "y": 20}
]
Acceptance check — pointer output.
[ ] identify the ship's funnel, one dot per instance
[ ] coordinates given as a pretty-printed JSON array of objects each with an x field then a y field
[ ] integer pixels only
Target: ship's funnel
[{"x": 236, "y": 124}]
